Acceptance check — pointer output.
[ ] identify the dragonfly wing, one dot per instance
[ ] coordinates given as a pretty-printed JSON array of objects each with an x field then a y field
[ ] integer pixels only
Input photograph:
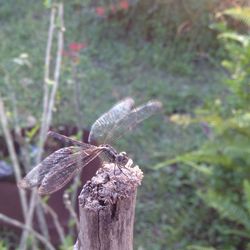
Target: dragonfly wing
[
  {"x": 66, "y": 170},
  {"x": 133, "y": 118},
  {"x": 35, "y": 176},
  {"x": 68, "y": 141},
  {"x": 106, "y": 122}
]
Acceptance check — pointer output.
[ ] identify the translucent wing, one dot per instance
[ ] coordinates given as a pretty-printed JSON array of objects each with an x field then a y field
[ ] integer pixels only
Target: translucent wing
[
  {"x": 106, "y": 122},
  {"x": 67, "y": 160},
  {"x": 66, "y": 170},
  {"x": 68, "y": 141},
  {"x": 35, "y": 176},
  {"x": 130, "y": 120}
]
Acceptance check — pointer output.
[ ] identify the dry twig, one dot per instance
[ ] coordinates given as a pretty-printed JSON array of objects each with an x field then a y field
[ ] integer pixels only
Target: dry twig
[
  {"x": 16, "y": 223},
  {"x": 12, "y": 153},
  {"x": 71, "y": 210},
  {"x": 49, "y": 98},
  {"x": 54, "y": 216}
]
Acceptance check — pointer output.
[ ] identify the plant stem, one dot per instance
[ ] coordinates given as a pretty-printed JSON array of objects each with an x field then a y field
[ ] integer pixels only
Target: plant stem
[
  {"x": 17, "y": 223},
  {"x": 13, "y": 154},
  {"x": 49, "y": 98}
]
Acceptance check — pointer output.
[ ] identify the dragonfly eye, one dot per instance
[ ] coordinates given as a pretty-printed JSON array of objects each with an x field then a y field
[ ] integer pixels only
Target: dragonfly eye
[
  {"x": 122, "y": 158},
  {"x": 107, "y": 146},
  {"x": 123, "y": 154}
]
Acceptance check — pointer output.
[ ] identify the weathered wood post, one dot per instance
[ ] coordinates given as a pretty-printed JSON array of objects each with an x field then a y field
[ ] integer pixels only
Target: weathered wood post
[{"x": 106, "y": 209}]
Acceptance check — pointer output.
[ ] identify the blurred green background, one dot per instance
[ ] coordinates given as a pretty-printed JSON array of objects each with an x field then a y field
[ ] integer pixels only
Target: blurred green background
[{"x": 193, "y": 56}]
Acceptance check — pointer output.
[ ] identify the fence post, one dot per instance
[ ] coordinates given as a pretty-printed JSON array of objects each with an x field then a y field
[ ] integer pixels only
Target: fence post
[{"x": 107, "y": 207}]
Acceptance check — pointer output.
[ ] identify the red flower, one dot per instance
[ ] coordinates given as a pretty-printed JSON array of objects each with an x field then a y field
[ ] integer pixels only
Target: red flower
[
  {"x": 76, "y": 47},
  {"x": 73, "y": 51},
  {"x": 100, "y": 11},
  {"x": 124, "y": 4}
]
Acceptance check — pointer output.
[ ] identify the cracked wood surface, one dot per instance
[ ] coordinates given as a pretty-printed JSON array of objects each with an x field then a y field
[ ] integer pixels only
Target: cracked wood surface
[{"x": 107, "y": 206}]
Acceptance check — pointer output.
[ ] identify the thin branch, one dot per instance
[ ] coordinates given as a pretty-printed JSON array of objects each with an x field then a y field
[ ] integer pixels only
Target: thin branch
[
  {"x": 73, "y": 199},
  {"x": 77, "y": 95},
  {"x": 71, "y": 210},
  {"x": 24, "y": 145},
  {"x": 13, "y": 155},
  {"x": 42, "y": 221},
  {"x": 54, "y": 216},
  {"x": 16, "y": 223},
  {"x": 42, "y": 135},
  {"x": 79, "y": 115},
  {"x": 74, "y": 188},
  {"x": 11, "y": 149},
  {"x": 44, "y": 125},
  {"x": 48, "y": 99},
  {"x": 57, "y": 71},
  {"x": 28, "y": 221}
]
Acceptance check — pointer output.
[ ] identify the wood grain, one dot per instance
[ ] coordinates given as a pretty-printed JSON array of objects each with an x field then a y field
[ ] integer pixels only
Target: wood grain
[{"x": 107, "y": 206}]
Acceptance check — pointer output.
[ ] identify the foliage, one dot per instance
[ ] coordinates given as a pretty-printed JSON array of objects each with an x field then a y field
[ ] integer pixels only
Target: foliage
[
  {"x": 7, "y": 238},
  {"x": 240, "y": 14},
  {"x": 177, "y": 30},
  {"x": 200, "y": 248},
  {"x": 110, "y": 63},
  {"x": 224, "y": 159},
  {"x": 3, "y": 246},
  {"x": 125, "y": 54},
  {"x": 164, "y": 22},
  {"x": 68, "y": 243}
]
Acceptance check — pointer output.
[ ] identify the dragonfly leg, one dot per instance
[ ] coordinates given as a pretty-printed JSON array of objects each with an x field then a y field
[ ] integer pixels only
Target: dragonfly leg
[
  {"x": 120, "y": 168},
  {"x": 129, "y": 164},
  {"x": 114, "y": 169}
]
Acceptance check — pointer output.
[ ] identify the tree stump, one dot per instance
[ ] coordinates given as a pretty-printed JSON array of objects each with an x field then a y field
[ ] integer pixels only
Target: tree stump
[{"x": 106, "y": 208}]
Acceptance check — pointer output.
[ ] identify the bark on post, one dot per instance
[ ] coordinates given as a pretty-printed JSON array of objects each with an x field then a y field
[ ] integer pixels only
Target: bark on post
[{"x": 106, "y": 208}]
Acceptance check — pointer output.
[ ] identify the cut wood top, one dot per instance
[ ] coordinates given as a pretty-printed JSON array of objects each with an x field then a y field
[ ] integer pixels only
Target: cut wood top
[{"x": 109, "y": 185}]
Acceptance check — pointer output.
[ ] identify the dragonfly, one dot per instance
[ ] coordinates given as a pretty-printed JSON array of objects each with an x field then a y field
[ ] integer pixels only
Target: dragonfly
[{"x": 56, "y": 170}]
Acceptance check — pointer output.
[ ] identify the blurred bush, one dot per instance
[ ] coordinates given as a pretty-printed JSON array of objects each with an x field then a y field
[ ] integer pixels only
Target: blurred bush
[
  {"x": 224, "y": 160},
  {"x": 165, "y": 21}
]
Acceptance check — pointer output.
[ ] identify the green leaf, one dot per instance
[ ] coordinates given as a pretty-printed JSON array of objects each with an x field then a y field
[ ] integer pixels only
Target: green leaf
[
  {"x": 246, "y": 185},
  {"x": 226, "y": 208},
  {"x": 243, "y": 39},
  {"x": 47, "y": 3},
  {"x": 67, "y": 243},
  {"x": 240, "y": 14},
  {"x": 49, "y": 81},
  {"x": 3, "y": 246},
  {"x": 33, "y": 132},
  {"x": 194, "y": 247}
]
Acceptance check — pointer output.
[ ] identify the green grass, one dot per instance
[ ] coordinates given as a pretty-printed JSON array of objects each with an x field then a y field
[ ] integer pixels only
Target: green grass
[{"x": 110, "y": 69}]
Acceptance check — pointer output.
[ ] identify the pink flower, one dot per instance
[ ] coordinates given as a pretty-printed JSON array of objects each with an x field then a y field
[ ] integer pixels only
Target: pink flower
[
  {"x": 73, "y": 51},
  {"x": 100, "y": 11},
  {"x": 76, "y": 47},
  {"x": 124, "y": 4}
]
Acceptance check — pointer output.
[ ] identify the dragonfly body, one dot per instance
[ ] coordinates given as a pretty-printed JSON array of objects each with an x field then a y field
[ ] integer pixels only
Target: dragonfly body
[{"x": 60, "y": 167}]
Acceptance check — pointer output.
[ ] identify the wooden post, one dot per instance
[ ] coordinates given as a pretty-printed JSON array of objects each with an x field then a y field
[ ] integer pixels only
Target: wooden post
[{"x": 106, "y": 208}]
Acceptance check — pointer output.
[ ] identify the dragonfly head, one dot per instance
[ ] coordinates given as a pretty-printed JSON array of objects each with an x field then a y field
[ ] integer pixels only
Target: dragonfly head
[
  {"x": 122, "y": 158},
  {"x": 110, "y": 149}
]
